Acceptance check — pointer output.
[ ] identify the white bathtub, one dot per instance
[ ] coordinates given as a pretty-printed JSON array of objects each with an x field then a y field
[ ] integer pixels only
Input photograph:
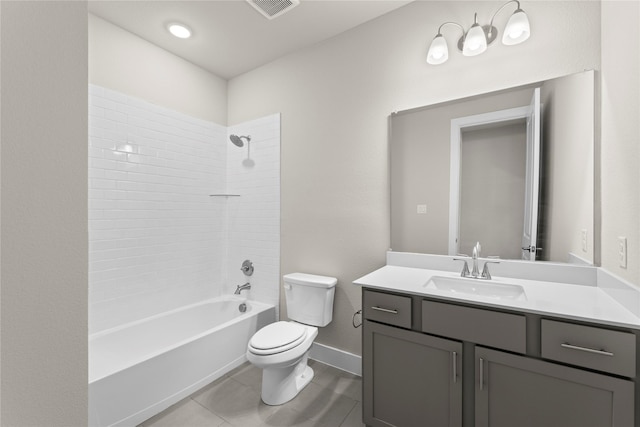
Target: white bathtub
[{"x": 139, "y": 369}]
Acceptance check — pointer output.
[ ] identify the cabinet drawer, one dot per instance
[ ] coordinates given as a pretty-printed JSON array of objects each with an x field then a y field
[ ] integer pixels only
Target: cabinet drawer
[
  {"x": 491, "y": 328},
  {"x": 387, "y": 308},
  {"x": 591, "y": 347}
]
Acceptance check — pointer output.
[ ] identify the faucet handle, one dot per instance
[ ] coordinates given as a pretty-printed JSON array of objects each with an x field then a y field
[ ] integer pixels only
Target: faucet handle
[
  {"x": 485, "y": 270},
  {"x": 247, "y": 267},
  {"x": 465, "y": 268}
]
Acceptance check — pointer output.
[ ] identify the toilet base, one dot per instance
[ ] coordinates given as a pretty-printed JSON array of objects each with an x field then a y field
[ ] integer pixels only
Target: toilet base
[{"x": 280, "y": 385}]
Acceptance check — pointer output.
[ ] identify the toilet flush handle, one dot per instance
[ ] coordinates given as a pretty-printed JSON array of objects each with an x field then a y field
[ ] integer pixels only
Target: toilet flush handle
[{"x": 287, "y": 286}]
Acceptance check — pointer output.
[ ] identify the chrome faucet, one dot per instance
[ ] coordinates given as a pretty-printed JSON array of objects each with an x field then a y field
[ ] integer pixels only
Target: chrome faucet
[
  {"x": 241, "y": 288},
  {"x": 475, "y": 272},
  {"x": 474, "y": 256}
]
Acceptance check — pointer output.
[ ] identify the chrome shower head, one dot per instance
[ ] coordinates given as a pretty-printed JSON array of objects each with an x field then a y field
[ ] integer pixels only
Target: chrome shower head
[{"x": 237, "y": 140}]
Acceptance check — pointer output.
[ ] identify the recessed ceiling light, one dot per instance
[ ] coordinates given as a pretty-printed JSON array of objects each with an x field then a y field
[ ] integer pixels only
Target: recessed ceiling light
[{"x": 179, "y": 30}]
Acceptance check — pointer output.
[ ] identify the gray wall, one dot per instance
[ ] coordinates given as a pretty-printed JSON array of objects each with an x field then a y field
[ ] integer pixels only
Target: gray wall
[
  {"x": 620, "y": 137},
  {"x": 123, "y": 62},
  {"x": 44, "y": 214},
  {"x": 568, "y": 179}
]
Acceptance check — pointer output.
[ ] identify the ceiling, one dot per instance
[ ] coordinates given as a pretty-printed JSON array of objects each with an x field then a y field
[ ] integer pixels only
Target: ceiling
[{"x": 230, "y": 37}]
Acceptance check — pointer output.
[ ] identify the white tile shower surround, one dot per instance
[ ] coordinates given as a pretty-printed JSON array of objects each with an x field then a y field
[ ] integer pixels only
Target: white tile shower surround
[
  {"x": 332, "y": 399},
  {"x": 253, "y": 219},
  {"x": 157, "y": 240}
]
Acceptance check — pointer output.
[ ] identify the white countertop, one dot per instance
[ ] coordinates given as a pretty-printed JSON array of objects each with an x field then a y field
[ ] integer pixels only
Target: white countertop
[{"x": 570, "y": 301}]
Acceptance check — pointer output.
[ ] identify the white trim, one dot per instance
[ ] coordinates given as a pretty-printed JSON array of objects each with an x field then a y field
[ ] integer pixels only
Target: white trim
[
  {"x": 337, "y": 358},
  {"x": 457, "y": 125}
]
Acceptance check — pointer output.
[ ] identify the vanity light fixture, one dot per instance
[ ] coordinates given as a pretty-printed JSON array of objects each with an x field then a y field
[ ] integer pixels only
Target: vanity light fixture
[
  {"x": 179, "y": 30},
  {"x": 475, "y": 41}
]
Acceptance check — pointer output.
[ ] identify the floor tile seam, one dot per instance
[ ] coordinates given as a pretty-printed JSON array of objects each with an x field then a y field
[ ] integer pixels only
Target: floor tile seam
[
  {"x": 253, "y": 383},
  {"x": 211, "y": 412},
  {"x": 225, "y": 420},
  {"x": 347, "y": 417},
  {"x": 355, "y": 403}
]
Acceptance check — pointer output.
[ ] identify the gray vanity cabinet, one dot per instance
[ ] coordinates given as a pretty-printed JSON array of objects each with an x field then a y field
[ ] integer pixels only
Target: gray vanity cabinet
[
  {"x": 513, "y": 390},
  {"x": 520, "y": 369},
  {"x": 409, "y": 378}
]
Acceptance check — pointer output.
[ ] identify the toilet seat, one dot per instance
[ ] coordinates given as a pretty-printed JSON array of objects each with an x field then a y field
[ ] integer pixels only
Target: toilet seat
[{"x": 277, "y": 338}]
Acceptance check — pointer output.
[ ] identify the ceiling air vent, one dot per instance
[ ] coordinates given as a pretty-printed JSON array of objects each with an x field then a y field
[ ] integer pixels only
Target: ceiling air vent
[{"x": 273, "y": 8}]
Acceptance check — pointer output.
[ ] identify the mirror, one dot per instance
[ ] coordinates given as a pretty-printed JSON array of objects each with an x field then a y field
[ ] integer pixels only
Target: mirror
[{"x": 488, "y": 190}]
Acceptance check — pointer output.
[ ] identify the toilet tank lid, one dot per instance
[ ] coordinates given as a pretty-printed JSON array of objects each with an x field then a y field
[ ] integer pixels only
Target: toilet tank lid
[{"x": 310, "y": 280}]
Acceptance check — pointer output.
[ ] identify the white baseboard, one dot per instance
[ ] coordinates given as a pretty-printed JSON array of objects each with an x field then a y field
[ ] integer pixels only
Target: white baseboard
[{"x": 337, "y": 358}]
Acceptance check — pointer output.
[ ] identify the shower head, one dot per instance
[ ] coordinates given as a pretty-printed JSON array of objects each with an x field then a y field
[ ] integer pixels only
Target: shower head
[{"x": 237, "y": 140}]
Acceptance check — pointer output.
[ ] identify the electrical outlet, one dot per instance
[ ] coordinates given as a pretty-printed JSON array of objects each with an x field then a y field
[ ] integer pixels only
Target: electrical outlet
[
  {"x": 422, "y": 209},
  {"x": 622, "y": 251},
  {"x": 583, "y": 238}
]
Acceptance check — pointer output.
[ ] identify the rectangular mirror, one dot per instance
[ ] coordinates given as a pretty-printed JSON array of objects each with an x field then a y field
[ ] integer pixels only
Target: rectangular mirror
[{"x": 499, "y": 169}]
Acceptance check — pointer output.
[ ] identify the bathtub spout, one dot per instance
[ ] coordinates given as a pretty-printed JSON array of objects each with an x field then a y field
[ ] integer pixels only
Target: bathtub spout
[{"x": 242, "y": 288}]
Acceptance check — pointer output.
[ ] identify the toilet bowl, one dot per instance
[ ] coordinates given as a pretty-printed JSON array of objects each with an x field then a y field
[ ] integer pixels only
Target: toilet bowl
[
  {"x": 282, "y": 352},
  {"x": 281, "y": 349}
]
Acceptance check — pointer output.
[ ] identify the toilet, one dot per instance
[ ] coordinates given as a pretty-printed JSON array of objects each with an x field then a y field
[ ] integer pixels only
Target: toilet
[{"x": 281, "y": 349}]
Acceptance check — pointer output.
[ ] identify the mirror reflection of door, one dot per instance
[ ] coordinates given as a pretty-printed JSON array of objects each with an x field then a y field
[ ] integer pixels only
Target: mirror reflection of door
[
  {"x": 495, "y": 158},
  {"x": 492, "y": 178}
]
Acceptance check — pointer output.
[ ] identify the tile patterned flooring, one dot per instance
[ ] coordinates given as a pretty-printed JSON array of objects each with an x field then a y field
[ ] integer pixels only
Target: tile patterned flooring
[{"x": 332, "y": 399}]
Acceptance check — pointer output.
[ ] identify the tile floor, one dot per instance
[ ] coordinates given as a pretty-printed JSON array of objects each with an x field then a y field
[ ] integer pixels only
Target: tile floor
[{"x": 332, "y": 399}]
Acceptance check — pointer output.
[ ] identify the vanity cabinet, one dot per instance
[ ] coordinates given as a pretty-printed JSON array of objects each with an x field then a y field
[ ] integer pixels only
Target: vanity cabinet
[
  {"x": 520, "y": 369},
  {"x": 513, "y": 390},
  {"x": 410, "y": 378}
]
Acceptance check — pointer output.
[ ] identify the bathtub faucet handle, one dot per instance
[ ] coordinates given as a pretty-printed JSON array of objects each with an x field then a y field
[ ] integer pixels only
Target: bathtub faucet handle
[
  {"x": 241, "y": 288},
  {"x": 247, "y": 268}
]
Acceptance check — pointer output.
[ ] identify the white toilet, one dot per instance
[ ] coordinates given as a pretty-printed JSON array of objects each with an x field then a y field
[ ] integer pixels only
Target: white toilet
[{"x": 281, "y": 349}]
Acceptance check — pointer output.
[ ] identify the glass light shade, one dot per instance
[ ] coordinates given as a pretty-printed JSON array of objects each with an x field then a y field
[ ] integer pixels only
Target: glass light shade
[
  {"x": 475, "y": 42},
  {"x": 517, "y": 29},
  {"x": 438, "y": 51},
  {"x": 179, "y": 30}
]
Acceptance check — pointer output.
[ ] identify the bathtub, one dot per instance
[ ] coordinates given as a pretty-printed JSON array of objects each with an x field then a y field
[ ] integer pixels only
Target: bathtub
[{"x": 139, "y": 369}]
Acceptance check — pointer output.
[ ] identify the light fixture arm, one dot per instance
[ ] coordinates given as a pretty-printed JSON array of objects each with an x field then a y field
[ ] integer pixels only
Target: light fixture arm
[
  {"x": 451, "y": 23},
  {"x": 498, "y": 11}
]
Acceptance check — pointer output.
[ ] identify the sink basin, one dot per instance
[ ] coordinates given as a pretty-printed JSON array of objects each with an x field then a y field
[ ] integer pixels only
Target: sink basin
[{"x": 478, "y": 287}]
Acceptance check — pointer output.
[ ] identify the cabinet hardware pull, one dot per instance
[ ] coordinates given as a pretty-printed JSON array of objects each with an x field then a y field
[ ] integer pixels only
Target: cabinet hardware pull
[
  {"x": 455, "y": 366},
  {"x": 384, "y": 310},
  {"x": 588, "y": 350},
  {"x": 481, "y": 374}
]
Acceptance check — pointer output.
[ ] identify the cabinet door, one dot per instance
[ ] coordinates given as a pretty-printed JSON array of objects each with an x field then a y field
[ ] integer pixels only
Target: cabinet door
[
  {"x": 519, "y": 391},
  {"x": 410, "y": 379}
]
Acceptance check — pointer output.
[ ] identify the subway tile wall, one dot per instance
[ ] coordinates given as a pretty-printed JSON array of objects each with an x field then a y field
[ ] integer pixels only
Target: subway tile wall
[{"x": 157, "y": 239}]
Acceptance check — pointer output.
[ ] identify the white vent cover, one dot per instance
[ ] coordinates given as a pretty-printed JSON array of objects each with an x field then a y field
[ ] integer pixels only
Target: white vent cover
[{"x": 273, "y": 8}]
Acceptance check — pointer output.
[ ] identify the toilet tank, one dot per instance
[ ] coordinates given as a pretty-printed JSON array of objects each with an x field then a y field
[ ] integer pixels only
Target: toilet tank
[{"x": 309, "y": 298}]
